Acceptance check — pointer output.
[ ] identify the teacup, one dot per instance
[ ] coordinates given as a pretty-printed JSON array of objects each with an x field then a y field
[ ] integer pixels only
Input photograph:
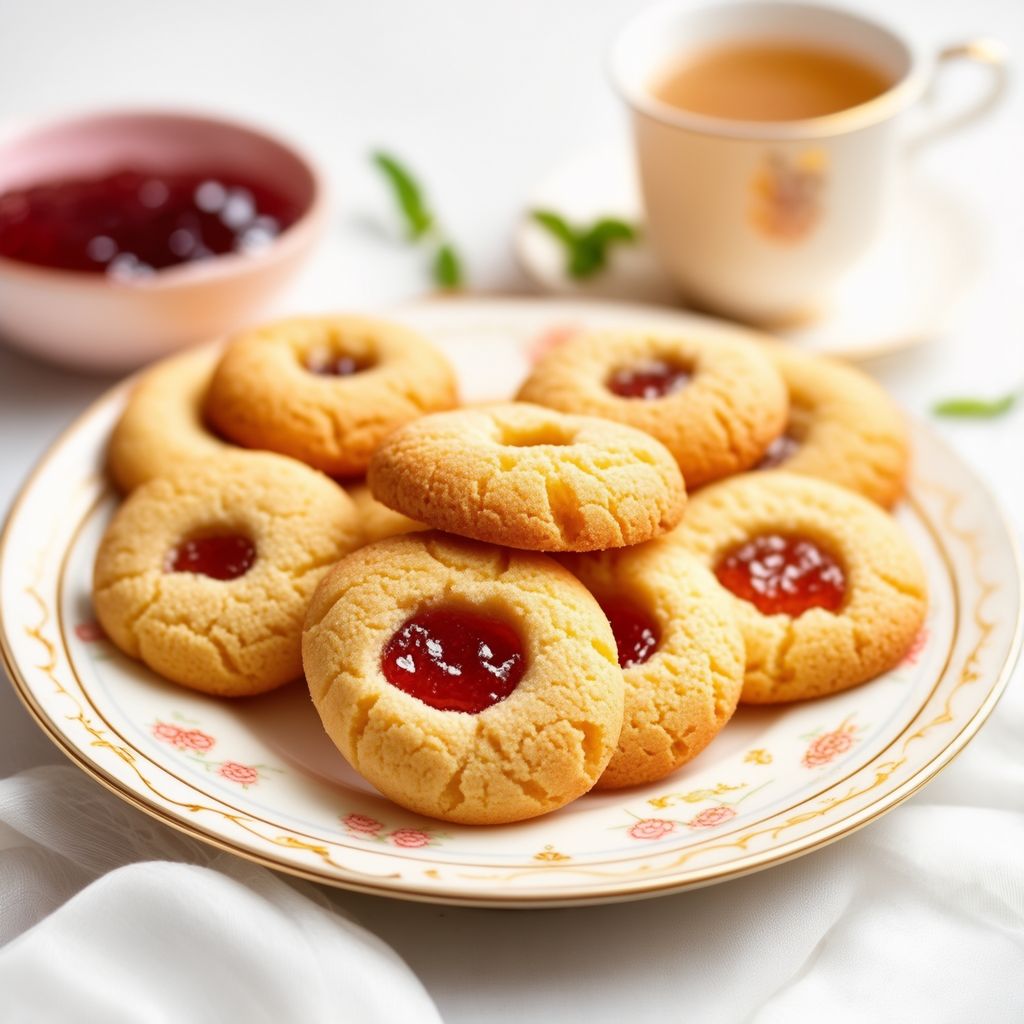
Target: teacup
[{"x": 757, "y": 218}]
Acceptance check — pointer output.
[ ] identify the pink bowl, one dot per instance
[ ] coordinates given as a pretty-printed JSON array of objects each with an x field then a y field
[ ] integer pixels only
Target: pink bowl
[{"x": 101, "y": 323}]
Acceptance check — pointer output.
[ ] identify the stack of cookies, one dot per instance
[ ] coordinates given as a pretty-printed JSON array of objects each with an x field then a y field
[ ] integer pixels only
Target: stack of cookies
[{"x": 520, "y": 602}]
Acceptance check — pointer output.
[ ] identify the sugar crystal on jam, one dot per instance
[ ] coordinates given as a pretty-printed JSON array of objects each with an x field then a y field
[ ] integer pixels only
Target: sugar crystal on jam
[
  {"x": 454, "y": 660},
  {"x": 783, "y": 575}
]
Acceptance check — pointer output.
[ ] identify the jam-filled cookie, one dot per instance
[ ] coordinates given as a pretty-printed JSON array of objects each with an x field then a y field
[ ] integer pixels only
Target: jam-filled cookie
[
  {"x": 162, "y": 424},
  {"x": 716, "y": 402},
  {"x": 465, "y": 681},
  {"x": 326, "y": 390},
  {"x": 377, "y": 521},
  {"x": 680, "y": 650},
  {"x": 205, "y": 574},
  {"x": 842, "y": 427},
  {"x": 827, "y": 588},
  {"x": 530, "y": 477}
]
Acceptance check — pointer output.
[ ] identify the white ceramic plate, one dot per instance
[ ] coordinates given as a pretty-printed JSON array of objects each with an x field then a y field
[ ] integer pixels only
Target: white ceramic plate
[
  {"x": 258, "y": 777},
  {"x": 904, "y": 290}
]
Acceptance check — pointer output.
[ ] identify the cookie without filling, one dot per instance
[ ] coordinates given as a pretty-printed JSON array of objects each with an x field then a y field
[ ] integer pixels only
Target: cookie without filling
[
  {"x": 819, "y": 651},
  {"x": 540, "y": 747},
  {"x": 529, "y": 477}
]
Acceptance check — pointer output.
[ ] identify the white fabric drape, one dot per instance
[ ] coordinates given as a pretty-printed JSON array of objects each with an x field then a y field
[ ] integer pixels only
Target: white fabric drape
[
  {"x": 918, "y": 917},
  {"x": 98, "y": 930}
]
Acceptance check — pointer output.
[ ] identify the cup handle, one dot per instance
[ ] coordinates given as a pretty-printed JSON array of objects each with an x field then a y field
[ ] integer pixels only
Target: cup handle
[{"x": 991, "y": 54}]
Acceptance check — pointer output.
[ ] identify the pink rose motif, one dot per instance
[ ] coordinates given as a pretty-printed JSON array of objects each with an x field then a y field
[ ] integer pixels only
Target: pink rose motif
[
  {"x": 243, "y": 774},
  {"x": 168, "y": 733},
  {"x": 712, "y": 816},
  {"x": 549, "y": 340},
  {"x": 194, "y": 739},
  {"x": 409, "y": 837},
  {"x": 651, "y": 828},
  {"x": 920, "y": 642},
  {"x": 89, "y": 632},
  {"x": 827, "y": 747},
  {"x": 362, "y": 823}
]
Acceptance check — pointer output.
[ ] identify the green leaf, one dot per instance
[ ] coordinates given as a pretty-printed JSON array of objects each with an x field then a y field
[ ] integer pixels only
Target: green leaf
[
  {"x": 977, "y": 408},
  {"x": 610, "y": 229},
  {"x": 557, "y": 225},
  {"x": 408, "y": 195},
  {"x": 586, "y": 248},
  {"x": 447, "y": 267}
]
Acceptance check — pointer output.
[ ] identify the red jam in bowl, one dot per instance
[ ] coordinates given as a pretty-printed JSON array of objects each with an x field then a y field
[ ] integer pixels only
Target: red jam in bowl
[
  {"x": 221, "y": 558},
  {"x": 454, "y": 660},
  {"x": 636, "y": 634},
  {"x": 783, "y": 575},
  {"x": 654, "y": 379},
  {"x": 132, "y": 222}
]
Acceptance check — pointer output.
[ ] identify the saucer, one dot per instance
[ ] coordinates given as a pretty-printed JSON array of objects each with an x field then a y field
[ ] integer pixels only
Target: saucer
[{"x": 902, "y": 292}]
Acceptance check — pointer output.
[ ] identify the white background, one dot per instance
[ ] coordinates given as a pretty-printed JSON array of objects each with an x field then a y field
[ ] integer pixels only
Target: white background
[{"x": 482, "y": 98}]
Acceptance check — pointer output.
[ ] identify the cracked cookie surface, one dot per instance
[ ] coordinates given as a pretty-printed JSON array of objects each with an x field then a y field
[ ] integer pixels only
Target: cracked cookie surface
[
  {"x": 163, "y": 423},
  {"x": 530, "y": 477},
  {"x": 817, "y": 652},
  {"x": 679, "y": 698},
  {"x": 718, "y": 422},
  {"x": 266, "y": 391},
  {"x": 230, "y": 637},
  {"x": 542, "y": 746},
  {"x": 846, "y": 428}
]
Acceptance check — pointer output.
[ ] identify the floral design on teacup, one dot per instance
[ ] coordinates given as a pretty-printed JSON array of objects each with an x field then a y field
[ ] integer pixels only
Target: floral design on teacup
[{"x": 786, "y": 195}]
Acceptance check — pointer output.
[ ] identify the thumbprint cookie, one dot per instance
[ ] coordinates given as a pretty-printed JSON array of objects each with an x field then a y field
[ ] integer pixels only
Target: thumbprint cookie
[
  {"x": 326, "y": 390},
  {"x": 842, "y": 427},
  {"x": 205, "y": 574},
  {"x": 715, "y": 402},
  {"x": 827, "y": 589},
  {"x": 680, "y": 650},
  {"x": 465, "y": 681}
]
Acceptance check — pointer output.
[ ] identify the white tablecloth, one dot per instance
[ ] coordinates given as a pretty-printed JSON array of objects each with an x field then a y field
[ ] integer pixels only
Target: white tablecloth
[{"x": 920, "y": 916}]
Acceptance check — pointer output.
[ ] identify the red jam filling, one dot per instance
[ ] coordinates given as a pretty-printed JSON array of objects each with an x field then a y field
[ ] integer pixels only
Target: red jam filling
[
  {"x": 221, "y": 558},
  {"x": 132, "y": 222},
  {"x": 654, "y": 379},
  {"x": 787, "y": 575},
  {"x": 636, "y": 634},
  {"x": 778, "y": 452},
  {"x": 322, "y": 362},
  {"x": 454, "y": 660}
]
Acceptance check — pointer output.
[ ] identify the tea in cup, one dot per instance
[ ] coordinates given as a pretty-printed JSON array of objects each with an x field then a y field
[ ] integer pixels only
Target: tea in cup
[{"x": 768, "y": 139}]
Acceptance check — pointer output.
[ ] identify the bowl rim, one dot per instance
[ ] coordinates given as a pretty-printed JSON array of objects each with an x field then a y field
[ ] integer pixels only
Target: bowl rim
[{"x": 182, "y": 274}]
